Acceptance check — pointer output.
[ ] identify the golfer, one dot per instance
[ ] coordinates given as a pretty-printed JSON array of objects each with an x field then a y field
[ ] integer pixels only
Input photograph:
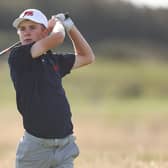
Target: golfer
[{"x": 36, "y": 72}]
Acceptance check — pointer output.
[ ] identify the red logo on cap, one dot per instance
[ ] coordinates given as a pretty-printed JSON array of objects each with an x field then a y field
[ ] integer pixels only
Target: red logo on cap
[{"x": 28, "y": 13}]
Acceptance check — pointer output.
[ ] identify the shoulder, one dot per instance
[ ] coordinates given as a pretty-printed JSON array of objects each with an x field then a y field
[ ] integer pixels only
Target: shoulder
[
  {"x": 21, "y": 55},
  {"x": 22, "y": 49},
  {"x": 63, "y": 57}
]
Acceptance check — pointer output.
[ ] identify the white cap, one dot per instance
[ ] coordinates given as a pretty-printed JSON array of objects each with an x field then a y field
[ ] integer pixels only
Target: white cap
[{"x": 33, "y": 15}]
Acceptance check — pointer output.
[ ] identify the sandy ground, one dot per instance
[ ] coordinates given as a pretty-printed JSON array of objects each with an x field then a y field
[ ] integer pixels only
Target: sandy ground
[{"x": 102, "y": 144}]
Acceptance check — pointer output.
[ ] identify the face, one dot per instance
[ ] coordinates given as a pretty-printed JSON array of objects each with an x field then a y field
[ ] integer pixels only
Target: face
[{"x": 30, "y": 31}]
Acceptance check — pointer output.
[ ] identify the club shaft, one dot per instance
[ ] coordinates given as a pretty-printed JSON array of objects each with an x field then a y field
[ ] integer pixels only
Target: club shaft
[{"x": 9, "y": 48}]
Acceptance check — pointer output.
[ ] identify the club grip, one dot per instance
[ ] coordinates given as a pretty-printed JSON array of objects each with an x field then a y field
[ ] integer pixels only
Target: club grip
[{"x": 66, "y": 15}]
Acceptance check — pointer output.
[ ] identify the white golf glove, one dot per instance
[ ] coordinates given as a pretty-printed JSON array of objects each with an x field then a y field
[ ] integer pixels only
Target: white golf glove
[{"x": 66, "y": 21}]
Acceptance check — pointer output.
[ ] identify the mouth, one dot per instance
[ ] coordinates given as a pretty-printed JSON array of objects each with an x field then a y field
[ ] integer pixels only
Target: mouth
[{"x": 27, "y": 41}]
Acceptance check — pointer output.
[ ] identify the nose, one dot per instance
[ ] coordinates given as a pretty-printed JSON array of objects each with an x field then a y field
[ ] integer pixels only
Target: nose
[{"x": 26, "y": 32}]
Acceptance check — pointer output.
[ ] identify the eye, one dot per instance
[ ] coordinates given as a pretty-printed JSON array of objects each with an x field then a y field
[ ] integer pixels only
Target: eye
[
  {"x": 32, "y": 27},
  {"x": 22, "y": 28}
]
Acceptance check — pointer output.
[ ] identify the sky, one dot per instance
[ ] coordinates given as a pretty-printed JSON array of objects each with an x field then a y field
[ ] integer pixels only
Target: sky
[{"x": 150, "y": 3}]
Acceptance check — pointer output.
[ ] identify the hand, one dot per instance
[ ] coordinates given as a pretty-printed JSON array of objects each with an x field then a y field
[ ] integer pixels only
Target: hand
[
  {"x": 66, "y": 21},
  {"x": 55, "y": 25},
  {"x": 51, "y": 24}
]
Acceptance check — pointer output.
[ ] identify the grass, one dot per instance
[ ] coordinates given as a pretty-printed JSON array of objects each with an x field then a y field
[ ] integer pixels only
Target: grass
[{"x": 119, "y": 114}]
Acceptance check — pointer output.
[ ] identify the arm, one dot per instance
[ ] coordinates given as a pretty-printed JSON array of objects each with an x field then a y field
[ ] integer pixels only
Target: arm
[
  {"x": 83, "y": 52},
  {"x": 55, "y": 38}
]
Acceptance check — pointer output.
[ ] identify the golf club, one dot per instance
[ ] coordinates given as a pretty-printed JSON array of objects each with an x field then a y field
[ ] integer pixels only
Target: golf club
[{"x": 9, "y": 48}]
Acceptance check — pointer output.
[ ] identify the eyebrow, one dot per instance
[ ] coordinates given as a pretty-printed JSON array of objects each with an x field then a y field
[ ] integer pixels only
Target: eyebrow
[{"x": 34, "y": 23}]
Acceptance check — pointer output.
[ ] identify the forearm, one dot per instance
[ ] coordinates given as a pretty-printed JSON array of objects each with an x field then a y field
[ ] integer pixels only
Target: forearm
[
  {"x": 83, "y": 51},
  {"x": 55, "y": 38},
  {"x": 81, "y": 46}
]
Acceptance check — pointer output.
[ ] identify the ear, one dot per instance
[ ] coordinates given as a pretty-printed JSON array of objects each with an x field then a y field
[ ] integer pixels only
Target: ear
[
  {"x": 48, "y": 30},
  {"x": 45, "y": 30}
]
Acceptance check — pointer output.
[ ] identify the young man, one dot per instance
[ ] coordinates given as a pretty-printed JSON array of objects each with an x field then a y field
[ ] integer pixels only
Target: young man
[{"x": 36, "y": 72}]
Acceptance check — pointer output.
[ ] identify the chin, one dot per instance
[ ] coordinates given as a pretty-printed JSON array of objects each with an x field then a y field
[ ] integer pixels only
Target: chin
[{"x": 27, "y": 42}]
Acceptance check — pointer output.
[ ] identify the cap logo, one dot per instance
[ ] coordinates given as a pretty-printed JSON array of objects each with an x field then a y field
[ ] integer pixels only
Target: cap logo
[{"x": 28, "y": 13}]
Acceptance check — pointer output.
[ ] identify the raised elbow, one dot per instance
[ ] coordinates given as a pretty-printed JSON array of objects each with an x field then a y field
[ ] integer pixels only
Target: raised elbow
[{"x": 91, "y": 58}]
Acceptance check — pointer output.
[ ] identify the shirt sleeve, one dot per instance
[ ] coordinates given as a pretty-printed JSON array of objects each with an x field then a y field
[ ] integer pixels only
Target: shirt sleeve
[
  {"x": 20, "y": 57},
  {"x": 66, "y": 62}
]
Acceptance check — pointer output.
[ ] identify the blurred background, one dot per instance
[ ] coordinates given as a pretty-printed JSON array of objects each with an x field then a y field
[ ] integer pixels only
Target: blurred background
[{"x": 119, "y": 103}]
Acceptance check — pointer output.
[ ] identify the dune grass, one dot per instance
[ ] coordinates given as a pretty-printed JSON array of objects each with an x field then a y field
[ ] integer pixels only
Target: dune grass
[{"x": 119, "y": 113}]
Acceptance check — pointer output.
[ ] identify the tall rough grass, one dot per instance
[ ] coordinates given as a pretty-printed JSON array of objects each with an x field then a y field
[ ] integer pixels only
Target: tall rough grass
[{"x": 119, "y": 114}]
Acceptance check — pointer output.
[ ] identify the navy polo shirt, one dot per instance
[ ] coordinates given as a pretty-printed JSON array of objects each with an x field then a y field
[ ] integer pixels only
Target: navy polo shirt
[{"x": 40, "y": 97}]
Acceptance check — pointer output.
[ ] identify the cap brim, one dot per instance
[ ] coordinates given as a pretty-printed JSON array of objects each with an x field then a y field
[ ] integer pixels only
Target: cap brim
[{"x": 18, "y": 21}]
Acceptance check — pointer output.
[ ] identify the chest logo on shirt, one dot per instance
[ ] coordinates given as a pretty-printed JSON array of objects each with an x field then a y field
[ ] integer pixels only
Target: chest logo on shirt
[{"x": 55, "y": 67}]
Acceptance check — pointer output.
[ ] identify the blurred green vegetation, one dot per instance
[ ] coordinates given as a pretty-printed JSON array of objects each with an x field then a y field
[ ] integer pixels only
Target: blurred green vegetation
[{"x": 108, "y": 88}]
